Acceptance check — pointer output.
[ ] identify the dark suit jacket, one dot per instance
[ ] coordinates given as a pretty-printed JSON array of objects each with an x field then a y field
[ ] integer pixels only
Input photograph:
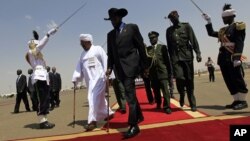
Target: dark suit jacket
[
  {"x": 21, "y": 84},
  {"x": 126, "y": 51},
  {"x": 30, "y": 88},
  {"x": 50, "y": 80},
  {"x": 56, "y": 82}
]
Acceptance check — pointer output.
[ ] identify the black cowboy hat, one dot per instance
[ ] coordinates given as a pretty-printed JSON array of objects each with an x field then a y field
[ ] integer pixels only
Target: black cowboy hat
[{"x": 116, "y": 12}]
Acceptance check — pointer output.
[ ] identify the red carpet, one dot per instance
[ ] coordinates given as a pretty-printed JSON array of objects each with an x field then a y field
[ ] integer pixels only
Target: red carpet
[
  {"x": 205, "y": 130},
  {"x": 215, "y": 130},
  {"x": 151, "y": 115}
]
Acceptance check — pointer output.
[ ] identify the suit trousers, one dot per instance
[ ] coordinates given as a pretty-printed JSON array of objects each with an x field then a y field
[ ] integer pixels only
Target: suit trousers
[
  {"x": 19, "y": 97},
  {"x": 119, "y": 93},
  {"x": 33, "y": 97},
  {"x": 135, "y": 113},
  {"x": 43, "y": 97},
  {"x": 57, "y": 97}
]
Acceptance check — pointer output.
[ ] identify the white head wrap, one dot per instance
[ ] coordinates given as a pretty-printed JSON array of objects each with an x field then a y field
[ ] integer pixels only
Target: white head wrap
[
  {"x": 229, "y": 12},
  {"x": 86, "y": 37}
]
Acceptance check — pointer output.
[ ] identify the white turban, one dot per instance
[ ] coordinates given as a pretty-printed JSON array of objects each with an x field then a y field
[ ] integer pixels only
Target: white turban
[
  {"x": 229, "y": 12},
  {"x": 86, "y": 37}
]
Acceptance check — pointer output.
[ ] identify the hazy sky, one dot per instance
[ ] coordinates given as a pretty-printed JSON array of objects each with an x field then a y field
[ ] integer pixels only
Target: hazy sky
[{"x": 19, "y": 17}]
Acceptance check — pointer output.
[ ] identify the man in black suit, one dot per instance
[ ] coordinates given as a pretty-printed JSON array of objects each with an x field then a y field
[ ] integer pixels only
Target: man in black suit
[
  {"x": 126, "y": 52},
  {"x": 51, "y": 94},
  {"x": 21, "y": 89},
  {"x": 56, "y": 86}
]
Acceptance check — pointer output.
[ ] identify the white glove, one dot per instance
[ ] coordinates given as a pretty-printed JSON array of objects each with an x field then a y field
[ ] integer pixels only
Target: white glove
[
  {"x": 206, "y": 17},
  {"x": 236, "y": 63},
  {"x": 52, "y": 31}
]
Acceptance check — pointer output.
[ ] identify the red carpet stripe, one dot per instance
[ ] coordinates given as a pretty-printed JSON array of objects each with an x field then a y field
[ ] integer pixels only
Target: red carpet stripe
[{"x": 214, "y": 130}]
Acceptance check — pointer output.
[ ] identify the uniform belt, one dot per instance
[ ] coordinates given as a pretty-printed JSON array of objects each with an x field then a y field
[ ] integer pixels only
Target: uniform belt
[
  {"x": 228, "y": 44},
  {"x": 39, "y": 67}
]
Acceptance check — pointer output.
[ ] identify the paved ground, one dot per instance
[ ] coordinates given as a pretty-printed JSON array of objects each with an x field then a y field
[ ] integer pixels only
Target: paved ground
[{"x": 211, "y": 98}]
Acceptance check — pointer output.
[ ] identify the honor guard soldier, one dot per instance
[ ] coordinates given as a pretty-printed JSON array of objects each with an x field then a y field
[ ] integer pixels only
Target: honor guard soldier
[
  {"x": 40, "y": 78},
  {"x": 160, "y": 70},
  {"x": 181, "y": 42},
  {"x": 231, "y": 38}
]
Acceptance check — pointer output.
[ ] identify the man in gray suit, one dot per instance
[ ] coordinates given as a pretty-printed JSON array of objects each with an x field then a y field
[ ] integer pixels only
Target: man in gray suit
[{"x": 126, "y": 52}]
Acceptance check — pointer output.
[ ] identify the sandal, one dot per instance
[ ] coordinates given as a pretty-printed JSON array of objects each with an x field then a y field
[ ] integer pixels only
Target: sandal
[{"x": 90, "y": 127}]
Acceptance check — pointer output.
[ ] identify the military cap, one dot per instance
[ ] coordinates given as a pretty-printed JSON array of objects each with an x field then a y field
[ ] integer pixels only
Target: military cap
[
  {"x": 152, "y": 34},
  {"x": 172, "y": 14}
]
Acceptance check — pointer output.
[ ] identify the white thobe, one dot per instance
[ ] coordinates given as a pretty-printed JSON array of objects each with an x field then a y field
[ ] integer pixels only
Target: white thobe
[
  {"x": 91, "y": 67},
  {"x": 38, "y": 64}
]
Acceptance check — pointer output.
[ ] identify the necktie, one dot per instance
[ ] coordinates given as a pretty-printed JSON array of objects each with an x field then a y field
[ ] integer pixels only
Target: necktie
[
  {"x": 18, "y": 78},
  {"x": 117, "y": 31}
]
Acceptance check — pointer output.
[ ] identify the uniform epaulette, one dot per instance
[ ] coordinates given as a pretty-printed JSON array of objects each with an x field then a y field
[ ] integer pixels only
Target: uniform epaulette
[{"x": 240, "y": 25}]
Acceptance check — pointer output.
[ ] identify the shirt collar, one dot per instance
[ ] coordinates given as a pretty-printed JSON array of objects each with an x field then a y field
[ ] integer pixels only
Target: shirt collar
[{"x": 122, "y": 26}]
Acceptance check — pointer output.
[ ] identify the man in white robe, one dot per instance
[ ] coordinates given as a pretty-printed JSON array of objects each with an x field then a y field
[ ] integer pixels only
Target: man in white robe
[{"x": 92, "y": 66}]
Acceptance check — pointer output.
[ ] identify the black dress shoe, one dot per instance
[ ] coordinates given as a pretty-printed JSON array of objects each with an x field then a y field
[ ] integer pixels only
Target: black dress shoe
[
  {"x": 123, "y": 111},
  {"x": 46, "y": 125},
  {"x": 168, "y": 111},
  {"x": 193, "y": 109},
  {"x": 241, "y": 105},
  {"x": 16, "y": 112},
  {"x": 151, "y": 102},
  {"x": 132, "y": 131},
  {"x": 51, "y": 108},
  {"x": 231, "y": 106},
  {"x": 158, "y": 107},
  {"x": 181, "y": 103},
  {"x": 141, "y": 119}
]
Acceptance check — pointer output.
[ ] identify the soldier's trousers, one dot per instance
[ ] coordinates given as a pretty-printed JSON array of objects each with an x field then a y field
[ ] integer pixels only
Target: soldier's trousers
[
  {"x": 147, "y": 85},
  {"x": 43, "y": 96},
  {"x": 158, "y": 86},
  {"x": 184, "y": 74},
  {"x": 233, "y": 78}
]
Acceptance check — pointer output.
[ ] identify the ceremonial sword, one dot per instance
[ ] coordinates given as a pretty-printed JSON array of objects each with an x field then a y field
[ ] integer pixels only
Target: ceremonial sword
[
  {"x": 77, "y": 10},
  {"x": 197, "y": 6}
]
